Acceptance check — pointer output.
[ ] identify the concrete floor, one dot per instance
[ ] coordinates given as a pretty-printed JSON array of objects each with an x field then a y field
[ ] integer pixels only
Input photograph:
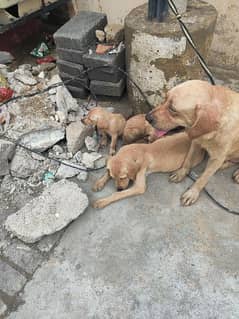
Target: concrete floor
[{"x": 144, "y": 258}]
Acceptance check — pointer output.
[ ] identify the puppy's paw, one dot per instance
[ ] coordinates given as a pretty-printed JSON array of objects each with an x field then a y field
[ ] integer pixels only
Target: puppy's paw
[
  {"x": 100, "y": 203},
  {"x": 190, "y": 197},
  {"x": 98, "y": 186},
  {"x": 235, "y": 176},
  {"x": 178, "y": 176}
]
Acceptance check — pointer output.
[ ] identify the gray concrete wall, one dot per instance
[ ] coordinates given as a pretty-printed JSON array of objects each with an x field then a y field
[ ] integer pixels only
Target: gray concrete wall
[{"x": 225, "y": 46}]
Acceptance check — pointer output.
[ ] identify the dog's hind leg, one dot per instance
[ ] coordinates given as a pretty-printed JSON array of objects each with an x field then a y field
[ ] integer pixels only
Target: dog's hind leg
[{"x": 138, "y": 188}]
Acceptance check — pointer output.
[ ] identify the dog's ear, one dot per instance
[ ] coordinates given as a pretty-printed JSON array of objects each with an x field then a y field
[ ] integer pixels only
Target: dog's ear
[{"x": 207, "y": 120}]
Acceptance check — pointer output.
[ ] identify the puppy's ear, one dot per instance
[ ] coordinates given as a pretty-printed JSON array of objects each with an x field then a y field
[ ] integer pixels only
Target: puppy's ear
[{"x": 207, "y": 120}]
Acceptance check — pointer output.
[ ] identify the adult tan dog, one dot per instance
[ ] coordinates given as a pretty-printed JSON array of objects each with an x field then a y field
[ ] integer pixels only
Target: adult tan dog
[
  {"x": 138, "y": 128},
  {"x": 210, "y": 115},
  {"x": 132, "y": 162},
  {"x": 107, "y": 123}
]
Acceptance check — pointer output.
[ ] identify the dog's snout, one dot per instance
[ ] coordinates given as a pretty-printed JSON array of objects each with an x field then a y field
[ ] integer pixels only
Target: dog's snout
[
  {"x": 120, "y": 189},
  {"x": 149, "y": 118}
]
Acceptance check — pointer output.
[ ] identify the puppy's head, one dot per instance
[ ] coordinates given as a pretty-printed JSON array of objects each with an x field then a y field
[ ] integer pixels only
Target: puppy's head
[
  {"x": 189, "y": 105},
  {"x": 93, "y": 117},
  {"x": 121, "y": 171}
]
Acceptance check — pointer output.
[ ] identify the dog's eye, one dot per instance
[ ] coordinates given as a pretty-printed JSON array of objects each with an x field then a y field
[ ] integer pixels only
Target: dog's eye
[{"x": 172, "y": 109}]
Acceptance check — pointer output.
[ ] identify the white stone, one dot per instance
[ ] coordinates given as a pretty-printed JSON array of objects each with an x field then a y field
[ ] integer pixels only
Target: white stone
[
  {"x": 25, "y": 77},
  {"x": 65, "y": 103},
  {"x": 88, "y": 159},
  {"x": 83, "y": 176},
  {"x": 65, "y": 171},
  {"x": 91, "y": 144},
  {"x": 38, "y": 217}
]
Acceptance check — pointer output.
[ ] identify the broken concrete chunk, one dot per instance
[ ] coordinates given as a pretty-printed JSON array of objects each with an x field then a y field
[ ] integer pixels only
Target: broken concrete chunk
[
  {"x": 88, "y": 159},
  {"x": 65, "y": 103},
  {"x": 6, "y": 153},
  {"x": 66, "y": 171},
  {"x": 114, "y": 33},
  {"x": 41, "y": 140},
  {"x": 91, "y": 144},
  {"x": 58, "y": 205},
  {"x": 76, "y": 133},
  {"x": 23, "y": 165},
  {"x": 25, "y": 77},
  {"x": 100, "y": 35}
]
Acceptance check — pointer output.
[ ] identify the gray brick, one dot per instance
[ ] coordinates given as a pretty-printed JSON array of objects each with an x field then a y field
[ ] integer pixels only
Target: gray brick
[
  {"x": 107, "y": 88},
  {"x": 109, "y": 73},
  {"x": 72, "y": 81},
  {"x": 77, "y": 92},
  {"x": 23, "y": 256},
  {"x": 11, "y": 281},
  {"x": 70, "y": 68},
  {"x": 75, "y": 56},
  {"x": 3, "y": 308},
  {"x": 79, "y": 32}
]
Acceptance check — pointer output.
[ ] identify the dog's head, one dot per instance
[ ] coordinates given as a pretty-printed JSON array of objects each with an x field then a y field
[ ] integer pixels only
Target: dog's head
[
  {"x": 121, "y": 171},
  {"x": 94, "y": 117},
  {"x": 190, "y": 105}
]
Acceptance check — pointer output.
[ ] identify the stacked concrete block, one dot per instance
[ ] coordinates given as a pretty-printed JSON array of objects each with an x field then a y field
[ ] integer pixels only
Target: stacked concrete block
[{"x": 73, "y": 40}]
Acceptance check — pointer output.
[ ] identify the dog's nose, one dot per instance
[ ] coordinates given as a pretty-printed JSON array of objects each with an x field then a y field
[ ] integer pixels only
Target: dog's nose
[
  {"x": 120, "y": 189},
  {"x": 149, "y": 117}
]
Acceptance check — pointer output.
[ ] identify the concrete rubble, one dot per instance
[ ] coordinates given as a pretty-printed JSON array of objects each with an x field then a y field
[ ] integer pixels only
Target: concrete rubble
[{"x": 58, "y": 205}]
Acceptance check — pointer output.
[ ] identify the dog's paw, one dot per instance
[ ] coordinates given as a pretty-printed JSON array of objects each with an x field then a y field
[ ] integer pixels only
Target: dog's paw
[
  {"x": 189, "y": 197},
  {"x": 100, "y": 203},
  {"x": 178, "y": 176},
  {"x": 98, "y": 186},
  {"x": 235, "y": 176}
]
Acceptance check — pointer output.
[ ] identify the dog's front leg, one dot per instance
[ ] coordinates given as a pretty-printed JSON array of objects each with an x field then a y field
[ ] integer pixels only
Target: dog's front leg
[
  {"x": 138, "y": 188},
  {"x": 182, "y": 172},
  {"x": 192, "y": 194},
  {"x": 100, "y": 183},
  {"x": 103, "y": 138}
]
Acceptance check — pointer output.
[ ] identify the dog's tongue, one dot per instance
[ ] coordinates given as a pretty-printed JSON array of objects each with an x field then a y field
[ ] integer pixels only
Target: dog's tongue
[{"x": 160, "y": 133}]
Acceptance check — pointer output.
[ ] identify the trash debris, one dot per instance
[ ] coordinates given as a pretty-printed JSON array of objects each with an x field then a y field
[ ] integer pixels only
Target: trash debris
[
  {"x": 5, "y": 57},
  {"x": 5, "y": 94},
  {"x": 103, "y": 48},
  {"x": 59, "y": 204},
  {"x": 40, "y": 51},
  {"x": 25, "y": 77},
  {"x": 47, "y": 59},
  {"x": 48, "y": 178}
]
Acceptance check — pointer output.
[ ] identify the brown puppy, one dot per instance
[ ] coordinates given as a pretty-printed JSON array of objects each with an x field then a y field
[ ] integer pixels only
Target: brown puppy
[
  {"x": 137, "y": 128},
  {"x": 210, "y": 115},
  {"x": 107, "y": 123},
  {"x": 132, "y": 162}
]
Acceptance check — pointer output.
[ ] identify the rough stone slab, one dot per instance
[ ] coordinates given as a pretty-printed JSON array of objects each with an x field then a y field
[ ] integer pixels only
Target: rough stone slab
[
  {"x": 41, "y": 140},
  {"x": 23, "y": 165},
  {"x": 58, "y": 205},
  {"x": 6, "y": 153},
  {"x": 3, "y": 308},
  {"x": 78, "y": 92},
  {"x": 89, "y": 159},
  {"x": 65, "y": 103},
  {"x": 75, "y": 56},
  {"x": 11, "y": 281},
  {"x": 107, "y": 88},
  {"x": 76, "y": 133},
  {"x": 73, "y": 69},
  {"x": 23, "y": 256},
  {"x": 79, "y": 32},
  {"x": 72, "y": 81}
]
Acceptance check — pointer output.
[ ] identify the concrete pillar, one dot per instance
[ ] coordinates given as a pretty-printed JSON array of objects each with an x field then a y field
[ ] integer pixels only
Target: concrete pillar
[{"x": 157, "y": 54}]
